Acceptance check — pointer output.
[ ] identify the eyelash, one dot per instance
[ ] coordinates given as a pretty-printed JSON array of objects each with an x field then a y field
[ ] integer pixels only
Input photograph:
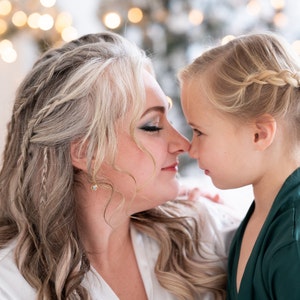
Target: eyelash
[
  {"x": 151, "y": 128},
  {"x": 197, "y": 132}
]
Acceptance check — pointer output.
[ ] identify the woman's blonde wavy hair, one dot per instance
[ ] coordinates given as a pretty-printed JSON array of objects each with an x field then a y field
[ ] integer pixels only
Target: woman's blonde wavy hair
[
  {"x": 250, "y": 76},
  {"x": 77, "y": 93}
]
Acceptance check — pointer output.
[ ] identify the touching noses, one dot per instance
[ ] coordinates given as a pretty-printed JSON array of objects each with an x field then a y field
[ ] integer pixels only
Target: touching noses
[
  {"x": 178, "y": 143},
  {"x": 193, "y": 153}
]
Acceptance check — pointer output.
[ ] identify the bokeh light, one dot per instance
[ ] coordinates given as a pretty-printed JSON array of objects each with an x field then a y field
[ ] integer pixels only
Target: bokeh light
[
  {"x": 5, "y": 7},
  {"x": 112, "y": 20},
  {"x": 19, "y": 18},
  {"x": 135, "y": 15},
  {"x": 48, "y": 3}
]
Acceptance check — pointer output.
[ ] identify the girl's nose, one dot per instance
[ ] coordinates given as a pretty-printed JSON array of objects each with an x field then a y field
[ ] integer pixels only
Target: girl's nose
[{"x": 193, "y": 151}]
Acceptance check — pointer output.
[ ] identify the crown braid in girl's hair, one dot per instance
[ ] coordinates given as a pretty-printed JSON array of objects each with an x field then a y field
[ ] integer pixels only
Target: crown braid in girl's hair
[
  {"x": 249, "y": 76},
  {"x": 61, "y": 101}
]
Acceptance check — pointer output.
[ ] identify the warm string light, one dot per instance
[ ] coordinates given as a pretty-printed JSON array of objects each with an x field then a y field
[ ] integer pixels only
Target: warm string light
[
  {"x": 254, "y": 7},
  {"x": 39, "y": 16},
  {"x": 196, "y": 17},
  {"x": 48, "y": 3},
  {"x": 5, "y": 7},
  {"x": 116, "y": 15},
  {"x": 278, "y": 4},
  {"x": 7, "y": 52},
  {"x": 135, "y": 15},
  {"x": 42, "y": 18},
  {"x": 113, "y": 19}
]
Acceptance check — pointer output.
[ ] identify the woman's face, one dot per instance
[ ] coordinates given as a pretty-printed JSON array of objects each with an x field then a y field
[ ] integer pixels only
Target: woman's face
[{"x": 148, "y": 173}]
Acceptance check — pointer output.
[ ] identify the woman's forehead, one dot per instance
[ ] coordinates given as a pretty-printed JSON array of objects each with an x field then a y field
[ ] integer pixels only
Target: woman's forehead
[{"x": 154, "y": 94}]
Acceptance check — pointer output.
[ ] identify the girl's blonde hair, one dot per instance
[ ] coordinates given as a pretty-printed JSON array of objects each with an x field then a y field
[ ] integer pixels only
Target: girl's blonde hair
[
  {"x": 249, "y": 76},
  {"x": 76, "y": 93}
]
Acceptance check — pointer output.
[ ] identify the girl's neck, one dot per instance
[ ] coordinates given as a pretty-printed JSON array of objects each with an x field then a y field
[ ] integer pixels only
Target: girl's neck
[{"x": 268, "y": 186}]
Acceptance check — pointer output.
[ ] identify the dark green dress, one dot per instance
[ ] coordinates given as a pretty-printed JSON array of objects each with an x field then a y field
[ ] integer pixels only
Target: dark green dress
[{"x": 273, "y": 268}]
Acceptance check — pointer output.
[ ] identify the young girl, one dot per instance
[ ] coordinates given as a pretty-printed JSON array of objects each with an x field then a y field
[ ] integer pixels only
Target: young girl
[{"x": 242, "y": 101}]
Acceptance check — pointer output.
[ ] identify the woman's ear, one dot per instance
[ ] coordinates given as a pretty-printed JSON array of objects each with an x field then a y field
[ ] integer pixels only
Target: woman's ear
[
  {"x": 264, "y": 131},
  {"x": 78, "y": 156}
]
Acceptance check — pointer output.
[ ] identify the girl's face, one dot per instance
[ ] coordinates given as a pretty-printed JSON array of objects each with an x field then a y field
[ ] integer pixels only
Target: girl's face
[
  {"x": 148, "y": 173},
  {"x": 222, "y": 146}
]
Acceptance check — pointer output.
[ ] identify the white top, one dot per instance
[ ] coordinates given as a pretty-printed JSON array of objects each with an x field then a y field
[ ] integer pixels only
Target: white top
[{"x": 218, "y": 224}]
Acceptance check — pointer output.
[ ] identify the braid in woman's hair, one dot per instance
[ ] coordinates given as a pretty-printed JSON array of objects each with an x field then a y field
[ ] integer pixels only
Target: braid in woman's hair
[
  {"x": 44, "y": 178},
  {"x": 57, "y": 268}
]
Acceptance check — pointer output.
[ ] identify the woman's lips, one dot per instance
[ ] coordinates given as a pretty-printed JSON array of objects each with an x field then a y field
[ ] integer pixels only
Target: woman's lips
[{"x": 171, "y": 168}]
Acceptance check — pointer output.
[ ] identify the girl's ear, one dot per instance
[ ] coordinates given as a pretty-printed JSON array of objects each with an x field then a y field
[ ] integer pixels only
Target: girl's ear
[
  {"x": 78, "y": 155},
  {"x": 264, "y": 131}
]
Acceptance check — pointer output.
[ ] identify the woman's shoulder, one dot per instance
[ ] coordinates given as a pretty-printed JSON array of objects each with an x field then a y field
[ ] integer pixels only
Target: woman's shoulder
[
  {"x": 7, "y": 255},
  {"x": 216, "y": 215},
  {"x": 12, "y": 284},
  {"x": 217, "y": 223},
  {"x": 222, "y": 215}
]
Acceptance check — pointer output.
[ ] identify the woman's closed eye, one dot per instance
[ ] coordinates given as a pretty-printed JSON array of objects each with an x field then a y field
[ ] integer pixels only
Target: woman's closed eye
[{"x": 151, "y": 128}]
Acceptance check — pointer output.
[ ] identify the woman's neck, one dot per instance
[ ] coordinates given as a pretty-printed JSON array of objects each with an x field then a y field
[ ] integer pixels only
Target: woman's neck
[{"x": 103, "y": 228}]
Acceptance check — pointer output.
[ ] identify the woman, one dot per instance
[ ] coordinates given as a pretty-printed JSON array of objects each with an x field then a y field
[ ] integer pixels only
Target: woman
[{"x": 89, "y": 170}]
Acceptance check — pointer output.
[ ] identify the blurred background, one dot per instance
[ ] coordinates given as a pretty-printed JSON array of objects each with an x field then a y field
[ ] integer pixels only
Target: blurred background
[{"x": 173, "y": 32}]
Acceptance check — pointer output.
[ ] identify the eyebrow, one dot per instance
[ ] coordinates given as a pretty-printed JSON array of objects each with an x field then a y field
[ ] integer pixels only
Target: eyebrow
[{"x": 160, "y": 109}]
